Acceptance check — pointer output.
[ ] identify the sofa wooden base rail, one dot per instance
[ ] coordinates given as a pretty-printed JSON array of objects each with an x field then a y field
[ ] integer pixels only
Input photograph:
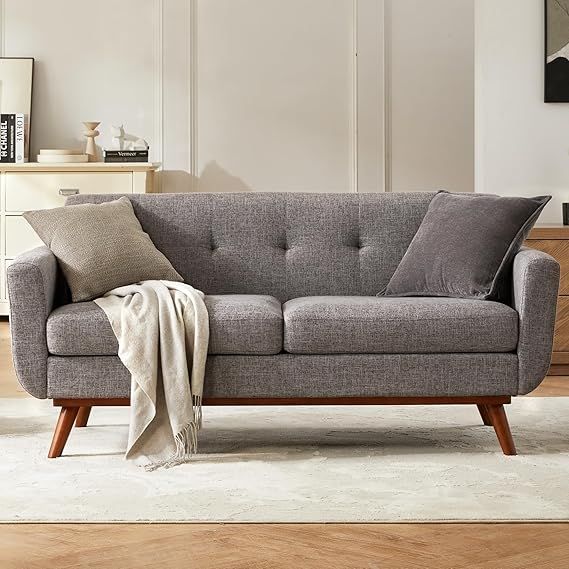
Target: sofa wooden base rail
[{"x": 76, "y": 411}]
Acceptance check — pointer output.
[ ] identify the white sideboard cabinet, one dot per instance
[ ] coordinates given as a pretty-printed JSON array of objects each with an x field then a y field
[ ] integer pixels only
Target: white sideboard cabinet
[{"x": 41, "y": 186}]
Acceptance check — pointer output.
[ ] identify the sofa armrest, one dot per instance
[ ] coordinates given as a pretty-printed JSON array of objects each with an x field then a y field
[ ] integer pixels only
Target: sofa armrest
[
  {"x": 536, "y": 284},
  {"x": 32, "y": 282}
]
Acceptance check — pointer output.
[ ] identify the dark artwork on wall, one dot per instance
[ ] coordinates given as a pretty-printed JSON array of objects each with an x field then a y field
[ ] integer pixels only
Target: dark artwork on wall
[{"x": 557, "y": 51}]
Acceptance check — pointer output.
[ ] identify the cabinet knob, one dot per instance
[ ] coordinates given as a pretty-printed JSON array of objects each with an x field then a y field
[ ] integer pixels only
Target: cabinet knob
[{"x": 68, "y": 191}]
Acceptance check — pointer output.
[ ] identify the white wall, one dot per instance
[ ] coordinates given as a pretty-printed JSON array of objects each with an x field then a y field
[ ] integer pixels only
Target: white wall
[
  {"x": 274, "y": 95},
  {"x": 89, "y": 66},
  {"x": 268, "y": 66},
  {"x": 431, "y": 100},
  {"x": 117, "y": 62},
  {"x": 522, "y": 143},
  {"x": 167, "y": 70}
]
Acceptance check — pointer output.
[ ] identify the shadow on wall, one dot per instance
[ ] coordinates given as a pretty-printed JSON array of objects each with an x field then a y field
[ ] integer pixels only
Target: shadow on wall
[{"x": 213, "y": 179}]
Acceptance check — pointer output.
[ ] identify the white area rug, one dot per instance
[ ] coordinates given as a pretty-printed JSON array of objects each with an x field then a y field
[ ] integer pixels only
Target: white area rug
[{"x": 303, "y": 464}]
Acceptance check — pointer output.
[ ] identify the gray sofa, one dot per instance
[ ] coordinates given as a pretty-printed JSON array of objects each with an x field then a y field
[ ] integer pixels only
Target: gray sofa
[{"x": 291, "y": 283}]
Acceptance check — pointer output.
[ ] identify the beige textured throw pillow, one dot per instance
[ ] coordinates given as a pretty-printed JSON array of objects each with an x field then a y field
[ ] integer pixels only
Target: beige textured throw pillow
[{"x": 100, "y": 247}]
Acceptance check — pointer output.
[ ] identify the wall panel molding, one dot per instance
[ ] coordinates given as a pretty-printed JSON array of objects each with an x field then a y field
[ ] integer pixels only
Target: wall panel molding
[
  {"x": 367, "y": 149},
  {"x": 166, "y": 148},
  {"x": 168, "y": 101},
  {"x": 2, "y": 28},
  {"x": 158, "y": 79},
  {"x": 354, "y": 118},
  {"x": 158, "y": 34},
  {"x": 430, "y": 96},
  {"x": 371, "y": 96},
  {"x": 192, "y": 73},
  {"x": 387, "y": 96}
]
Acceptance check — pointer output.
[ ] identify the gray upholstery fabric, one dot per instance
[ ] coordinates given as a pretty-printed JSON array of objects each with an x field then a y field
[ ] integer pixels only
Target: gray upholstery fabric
[
  {"x": 239, "y": 324},
  {"x": 100, "y": 247},
  {"x": 244, "y": 324},
  {"x": 536, "y": 283},
  {"x": 87, "y": 377},
  {"x": 80, "y": 329},
  {"x": 32, "y": 280},
  {"x": 372, "y": 325},
  {"x": 465, "y": 246},
  {"x": 285, "y": 245},
  {"x": 288, "y": 375}
]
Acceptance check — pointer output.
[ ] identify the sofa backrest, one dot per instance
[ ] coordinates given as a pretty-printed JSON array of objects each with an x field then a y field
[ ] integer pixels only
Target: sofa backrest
[{"x": 283, "y": 244}]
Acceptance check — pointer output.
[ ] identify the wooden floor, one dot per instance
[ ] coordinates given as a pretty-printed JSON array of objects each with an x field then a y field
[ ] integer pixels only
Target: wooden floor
[
  {"x": 279, "y": 546},
  {"x": 333, "y": 546}
]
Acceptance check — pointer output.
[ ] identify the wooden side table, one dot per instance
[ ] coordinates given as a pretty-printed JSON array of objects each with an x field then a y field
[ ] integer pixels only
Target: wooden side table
[{"x": 554, "y": 239}]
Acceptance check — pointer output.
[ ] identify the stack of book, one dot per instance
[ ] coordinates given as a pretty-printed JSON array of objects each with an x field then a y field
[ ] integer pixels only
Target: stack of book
[
  {"x": 61, "y": 156},
  {"x": 126, "y": 155},
  {"x": 12, "y": 138}
]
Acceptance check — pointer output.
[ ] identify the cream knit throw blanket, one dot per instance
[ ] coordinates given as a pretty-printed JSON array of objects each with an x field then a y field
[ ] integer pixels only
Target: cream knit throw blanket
[{"x": 162, "y": 328}]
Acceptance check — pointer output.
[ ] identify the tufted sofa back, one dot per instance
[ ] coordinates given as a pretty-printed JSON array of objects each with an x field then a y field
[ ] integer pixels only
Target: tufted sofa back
[{"x": 283, "y": 244}]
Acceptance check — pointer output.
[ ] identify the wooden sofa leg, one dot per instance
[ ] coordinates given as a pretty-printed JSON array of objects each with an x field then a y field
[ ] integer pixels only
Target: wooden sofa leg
[
  {"x": 500, "y": 422},
  {"x": 485, "y": 415},
  {"x": 83, "y": 416},
  {"x": 62, "y": 429}
]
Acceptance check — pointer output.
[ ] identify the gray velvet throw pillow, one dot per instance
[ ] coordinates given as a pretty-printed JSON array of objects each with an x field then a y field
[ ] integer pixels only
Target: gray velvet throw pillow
[
  {"x": 465, "y": 246},
  {"x": 100, "y": 247}
]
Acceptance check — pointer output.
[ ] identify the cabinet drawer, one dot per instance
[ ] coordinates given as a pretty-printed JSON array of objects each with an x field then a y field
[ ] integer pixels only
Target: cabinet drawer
[
  {"x": 20, "y": 236},
  {"x": 41, "y": 190}
]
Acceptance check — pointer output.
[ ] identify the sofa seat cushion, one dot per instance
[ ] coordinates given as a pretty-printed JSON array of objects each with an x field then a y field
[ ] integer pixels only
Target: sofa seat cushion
[
  {"x": 244, "y": 324},
  {"x": 376, "y": 325},
  {"x": 239, "y": 324}
]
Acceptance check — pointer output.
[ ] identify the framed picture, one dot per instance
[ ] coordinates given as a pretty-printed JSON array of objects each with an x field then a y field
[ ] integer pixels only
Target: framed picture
[
  {"x": 16, "y": 81},
  {"x": 557, "y": 51}
]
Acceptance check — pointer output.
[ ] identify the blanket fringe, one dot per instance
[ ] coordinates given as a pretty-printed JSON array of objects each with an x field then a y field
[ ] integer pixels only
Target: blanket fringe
[
  {"x": 186, "y": 440},
  {"x": 197, "y": 399}
]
